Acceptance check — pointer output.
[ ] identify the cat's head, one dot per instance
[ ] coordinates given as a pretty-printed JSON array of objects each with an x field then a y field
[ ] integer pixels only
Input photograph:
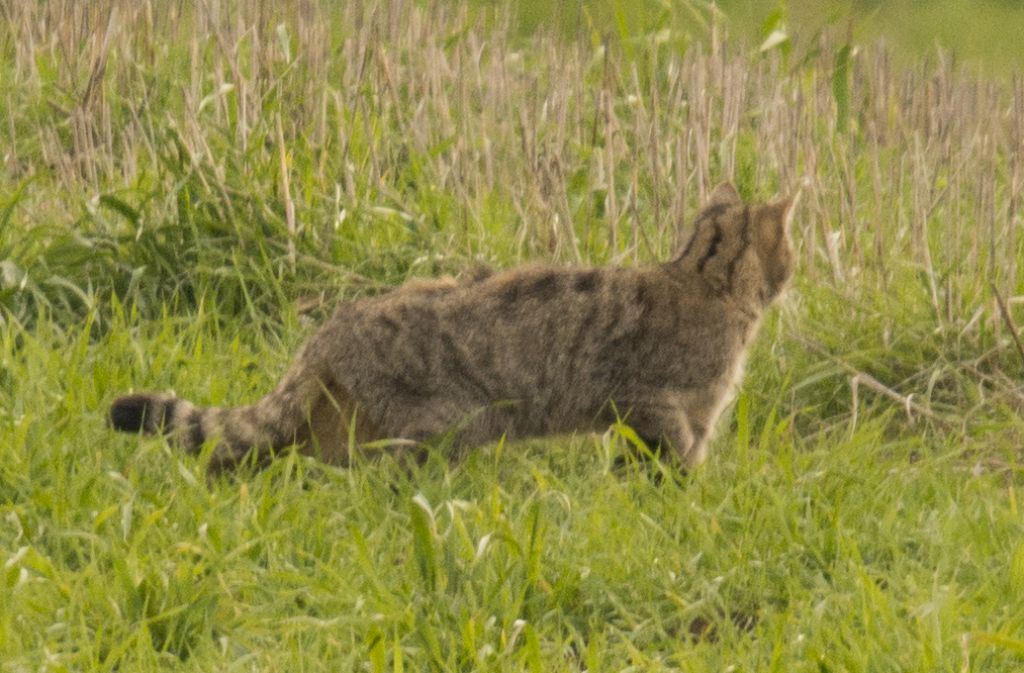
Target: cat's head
[{"x": 742, "y": 249}]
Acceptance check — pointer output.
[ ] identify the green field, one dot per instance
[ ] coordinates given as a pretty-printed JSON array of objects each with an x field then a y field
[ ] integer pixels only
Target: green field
[{"x": 185, "y": 189}]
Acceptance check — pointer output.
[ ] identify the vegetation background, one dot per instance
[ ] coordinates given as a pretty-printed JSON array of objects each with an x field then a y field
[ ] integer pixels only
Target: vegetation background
[{"x": 186, "y": 187}]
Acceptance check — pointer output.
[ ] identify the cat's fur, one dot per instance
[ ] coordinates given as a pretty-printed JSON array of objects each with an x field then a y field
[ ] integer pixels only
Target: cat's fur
[{"x": 534, "y": 351}]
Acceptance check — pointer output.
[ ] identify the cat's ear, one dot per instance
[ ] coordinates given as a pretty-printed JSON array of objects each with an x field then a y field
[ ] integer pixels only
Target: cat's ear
[
  {"x": 782, "y": 210},
  {"x": 773, "y": 244},
  {"x": 724, "y": 195}
]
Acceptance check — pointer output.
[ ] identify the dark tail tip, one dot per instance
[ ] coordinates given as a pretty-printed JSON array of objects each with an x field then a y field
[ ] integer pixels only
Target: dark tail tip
[{"x": 132, "y": 413}]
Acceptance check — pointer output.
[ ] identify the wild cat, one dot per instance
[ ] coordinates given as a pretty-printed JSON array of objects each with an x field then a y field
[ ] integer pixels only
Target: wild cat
[{"x": 534, "y": 351}]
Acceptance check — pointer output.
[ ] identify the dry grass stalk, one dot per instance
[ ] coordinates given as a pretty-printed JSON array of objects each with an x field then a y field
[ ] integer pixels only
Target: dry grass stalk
[{"x": 1008, "y": 319}]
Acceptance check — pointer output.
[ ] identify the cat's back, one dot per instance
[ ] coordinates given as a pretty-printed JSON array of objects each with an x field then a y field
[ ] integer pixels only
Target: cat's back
[{"x": 562, "y": 340}]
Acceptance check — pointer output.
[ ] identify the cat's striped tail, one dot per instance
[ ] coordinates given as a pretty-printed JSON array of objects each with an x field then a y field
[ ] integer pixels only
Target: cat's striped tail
[
  {"x": 238, "y": 431},
  {"x": 286, "y": 416}
]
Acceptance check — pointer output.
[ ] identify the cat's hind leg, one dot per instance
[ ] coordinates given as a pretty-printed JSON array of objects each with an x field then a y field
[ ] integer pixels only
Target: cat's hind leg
[{"x": 335, "y": 422}]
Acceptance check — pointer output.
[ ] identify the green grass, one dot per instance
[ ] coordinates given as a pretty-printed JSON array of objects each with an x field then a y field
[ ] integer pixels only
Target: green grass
[
  {"x": 831, "y": 551},
  {"x": 181, "y": 222}
]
